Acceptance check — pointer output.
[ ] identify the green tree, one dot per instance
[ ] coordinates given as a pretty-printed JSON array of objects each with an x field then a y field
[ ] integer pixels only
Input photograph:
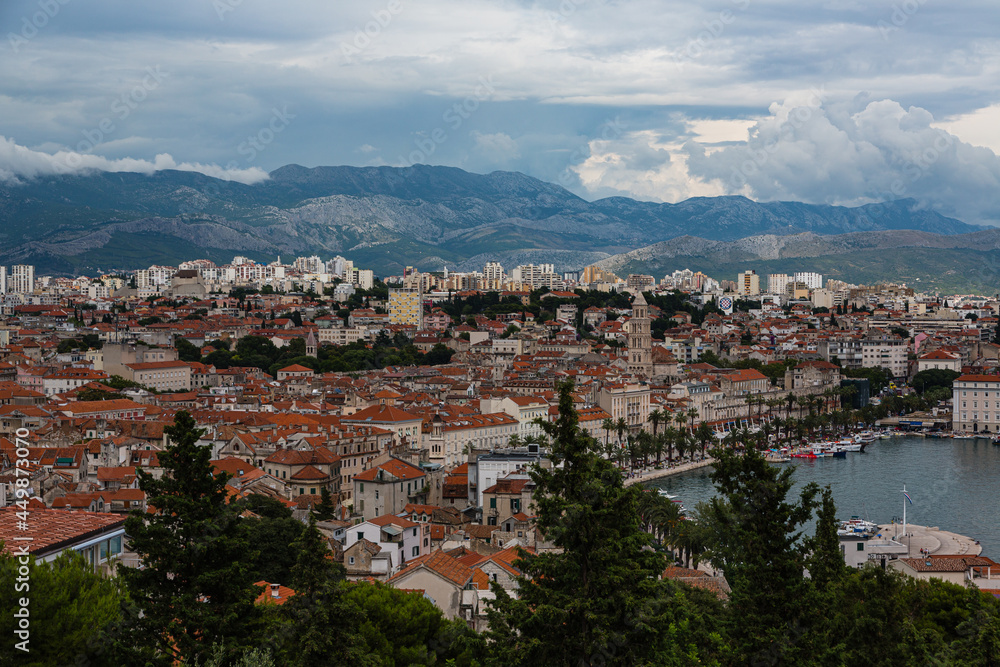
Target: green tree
[
  {"x": 405, "y": 628},
  {"x": 318, "y": 625},
  {"x": 69, "y": 606},
  {"x": 325, "y": 510},
  {"x": 597, "y": 600},
  {"x": 756, "y": 542},
  {"x": 195, "y": 587},
  {"x": 186, "y": 350}
]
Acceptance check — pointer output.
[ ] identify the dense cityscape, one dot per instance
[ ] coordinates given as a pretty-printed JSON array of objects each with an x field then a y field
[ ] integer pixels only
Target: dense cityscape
[
  {"x": 316, "y": 388},
  {"x": 459, "y": 333}
]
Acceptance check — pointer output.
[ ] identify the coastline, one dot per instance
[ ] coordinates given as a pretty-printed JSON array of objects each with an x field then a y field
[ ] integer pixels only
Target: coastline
[{"x": 651, "y": 475}]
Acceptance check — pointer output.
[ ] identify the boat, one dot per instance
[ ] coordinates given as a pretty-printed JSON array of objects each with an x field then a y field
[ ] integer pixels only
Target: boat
[
  {"x": 857, "y": 527},
  {"x": 963, "y": 436},
  {"x": 866, "y": 436},
  {"x": 804, "y": 454},
  {"x": 995, "y": 440},
  {"x": 666, "y": 495}
]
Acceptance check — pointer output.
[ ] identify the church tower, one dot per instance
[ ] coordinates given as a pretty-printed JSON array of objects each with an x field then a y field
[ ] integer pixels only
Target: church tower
[
  {"x": 640, "y": 340},
  {"x": 311, "y": 345}
]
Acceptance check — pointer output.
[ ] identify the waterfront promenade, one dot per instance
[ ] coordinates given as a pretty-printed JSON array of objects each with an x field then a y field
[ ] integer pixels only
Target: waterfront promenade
[
  {"x": 935, "y": 541},
  {"x": 641, "y": 477}
]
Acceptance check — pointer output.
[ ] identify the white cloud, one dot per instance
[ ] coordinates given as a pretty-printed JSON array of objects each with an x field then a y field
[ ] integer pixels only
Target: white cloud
[
  {"x": 854, "y": 153},
  {"x": 979, "y": 128},
  {"x": 18, "y": 162},
  {"x": 497, "y": 147}
]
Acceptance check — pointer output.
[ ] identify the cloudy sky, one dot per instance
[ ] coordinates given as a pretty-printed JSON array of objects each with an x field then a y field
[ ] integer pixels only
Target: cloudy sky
[{"x": 842, "y": 101}]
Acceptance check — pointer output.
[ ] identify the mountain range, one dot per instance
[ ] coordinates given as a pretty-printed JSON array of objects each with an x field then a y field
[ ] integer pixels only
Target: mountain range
[{"x": 386, "y": 218}]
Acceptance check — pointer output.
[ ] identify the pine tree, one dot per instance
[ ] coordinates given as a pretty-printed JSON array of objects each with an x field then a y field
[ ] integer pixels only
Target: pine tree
[
  {"x": 826, "y": 562},
  {"x": 757, "y": 545},
  {"x": 194, "y": 589},
  {"x": 318, "y": 625},
  {"x": 599, "y": 599}
]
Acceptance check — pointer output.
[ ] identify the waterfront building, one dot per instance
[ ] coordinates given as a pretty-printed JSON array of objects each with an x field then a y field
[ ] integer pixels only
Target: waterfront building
[{"x": 976, "y": 403}]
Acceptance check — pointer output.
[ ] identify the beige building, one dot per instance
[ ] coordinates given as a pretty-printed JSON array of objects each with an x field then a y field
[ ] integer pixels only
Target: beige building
[
  {"x": 161, "y": 375},
  {"x": 939, "y": 359},
  {"x": 626, "y": 400},
  {"x": 748, "y": 283},
  {"x": 387, "y": 488},
  {"x": 976, "y": 404}
]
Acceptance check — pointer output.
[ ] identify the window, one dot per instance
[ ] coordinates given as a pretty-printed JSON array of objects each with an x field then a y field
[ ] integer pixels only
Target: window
[
  {"x": 493, "y": 503},
  {"x": 352, "y": 560},
  {"x": 414, "y": 532},
  {"x": 302, "y": 490},
  {"x": 376, "y": 494},
  {"x": 361, "y": 535},
  {"x": 362, "y": 487},
  {"x": 312, "y": 491},
  {"x": 861, "y": 546},
  {"x": 416, "y": 551}
]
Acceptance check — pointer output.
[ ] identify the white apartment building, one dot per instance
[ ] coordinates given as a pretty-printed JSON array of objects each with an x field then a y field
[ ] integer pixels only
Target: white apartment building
[
  {"x": 777, "y": 283},
  {"x": 811, "y": 280},
  {"x": 493, "y": 275},
  {"x": 22, "y": 279},
  {"x": 889, "y": 352}
]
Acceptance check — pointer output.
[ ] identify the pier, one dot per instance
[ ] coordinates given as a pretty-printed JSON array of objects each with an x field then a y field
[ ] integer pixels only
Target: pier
[{"x": 933, "y": 540}]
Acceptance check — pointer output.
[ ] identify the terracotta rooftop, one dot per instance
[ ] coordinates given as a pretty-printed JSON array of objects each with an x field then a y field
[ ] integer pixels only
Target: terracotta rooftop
[{"x": 53, "y": 530}]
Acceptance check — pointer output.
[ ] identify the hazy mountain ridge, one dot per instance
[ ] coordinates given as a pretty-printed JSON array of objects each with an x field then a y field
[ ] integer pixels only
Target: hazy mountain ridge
[
  {"x": 950, "y": 264},
  {"x": 387, "y": 218}
]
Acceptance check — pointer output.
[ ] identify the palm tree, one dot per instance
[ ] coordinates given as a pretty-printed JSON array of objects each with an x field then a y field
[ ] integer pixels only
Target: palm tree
[
  {"x": 680, "y": 418},
  {"x": 654, "y": 418},
  {"x": 669, "y": 437},
  {"x": 705, "y": 435},
  {"x": 692, "y": 414},
  {"x": 608, "y": 425},
  {"x": 790, "y": 399},
  {"x": 621, "y": 427}
]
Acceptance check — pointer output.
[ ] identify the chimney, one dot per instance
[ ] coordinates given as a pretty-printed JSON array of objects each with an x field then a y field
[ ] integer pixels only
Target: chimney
[{"x": 274, "y": 591}]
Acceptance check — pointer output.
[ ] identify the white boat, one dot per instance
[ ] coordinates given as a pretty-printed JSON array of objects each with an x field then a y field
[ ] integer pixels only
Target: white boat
[
  {"x": 858, "y": 527},
  {"x": 866, "y": 436},
  {"x": 666, "y": 495},
  {"x": 850, "y": 445}
]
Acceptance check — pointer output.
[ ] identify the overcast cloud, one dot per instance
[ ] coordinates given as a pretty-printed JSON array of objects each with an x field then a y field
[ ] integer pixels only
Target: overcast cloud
[{"x": 841, "y": 101}]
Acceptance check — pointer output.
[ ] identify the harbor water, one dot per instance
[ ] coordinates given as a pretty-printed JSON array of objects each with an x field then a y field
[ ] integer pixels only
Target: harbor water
[{"x": 954, "y": 484}]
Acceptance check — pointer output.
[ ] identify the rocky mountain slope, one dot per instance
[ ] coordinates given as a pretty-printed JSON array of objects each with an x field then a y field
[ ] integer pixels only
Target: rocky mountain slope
[{"x": 383, "y": 217}]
